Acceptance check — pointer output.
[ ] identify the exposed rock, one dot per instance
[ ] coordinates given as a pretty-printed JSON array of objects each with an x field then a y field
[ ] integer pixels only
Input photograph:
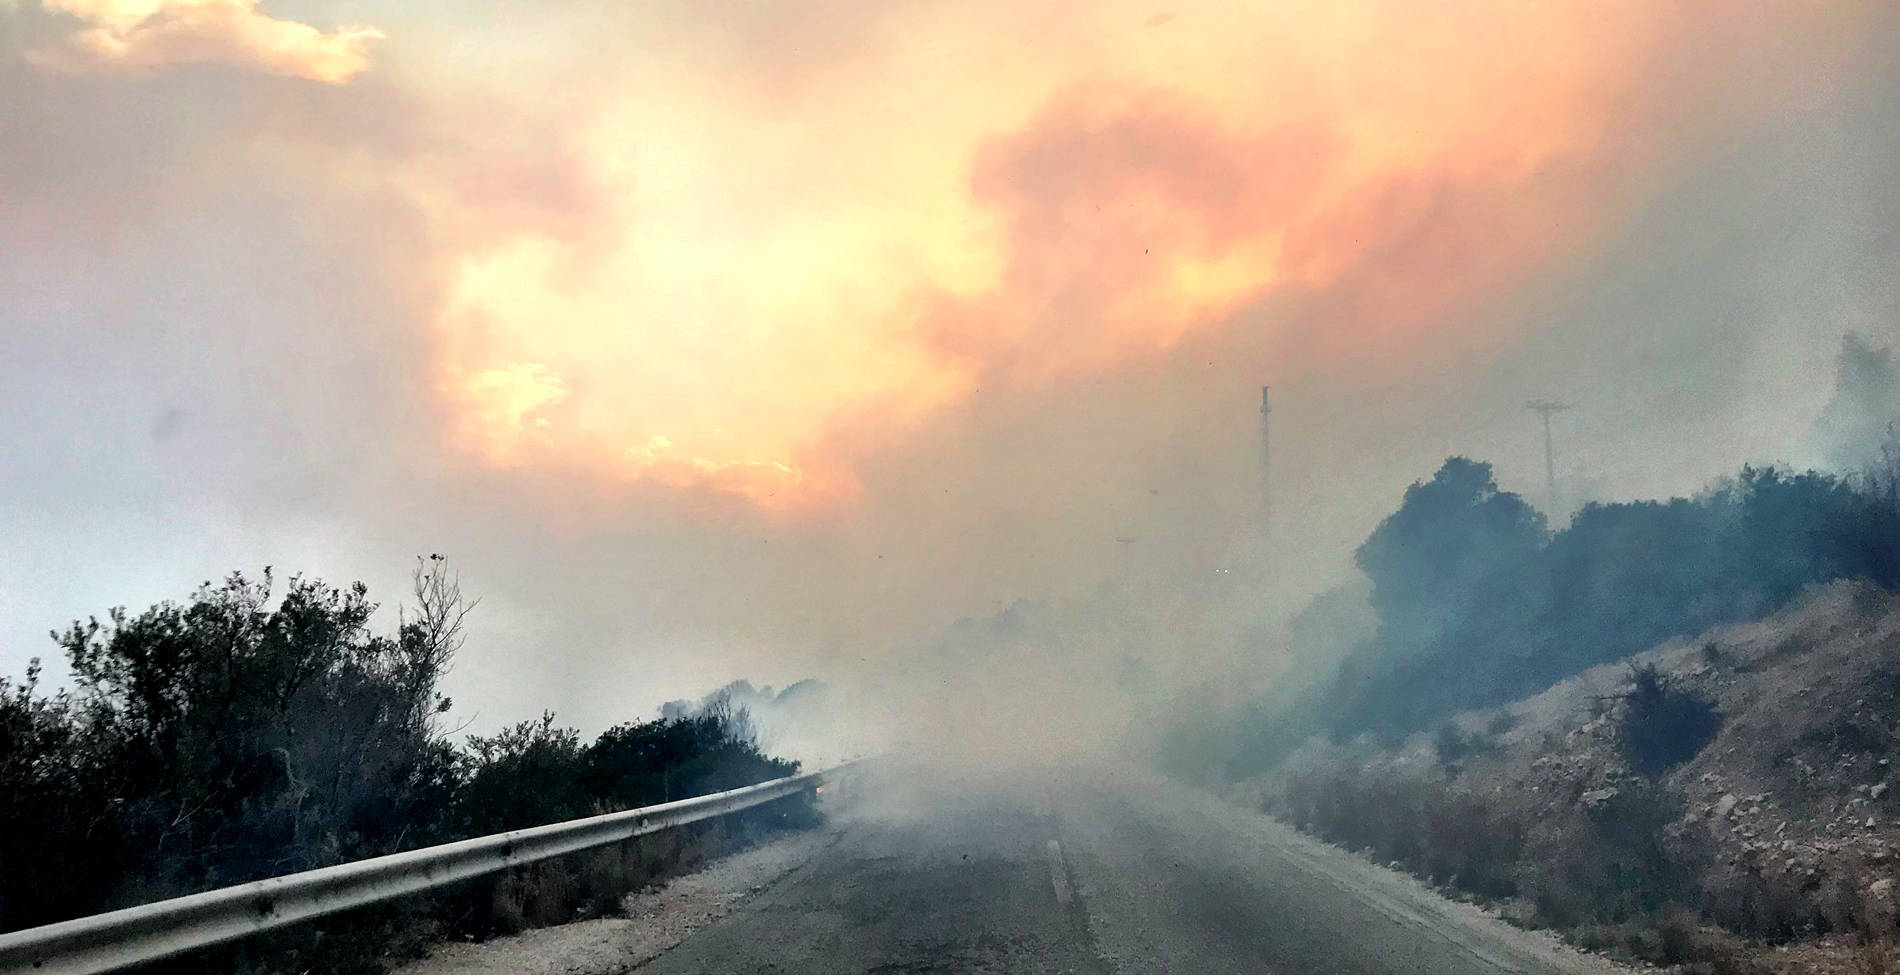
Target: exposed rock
[
  {"x": 1595, "y": 798},
  {"x": 1790, "y": 789}
]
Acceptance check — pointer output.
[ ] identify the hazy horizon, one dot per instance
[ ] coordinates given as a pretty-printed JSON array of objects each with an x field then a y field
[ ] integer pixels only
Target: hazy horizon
[{"x": 775, "y": 342}]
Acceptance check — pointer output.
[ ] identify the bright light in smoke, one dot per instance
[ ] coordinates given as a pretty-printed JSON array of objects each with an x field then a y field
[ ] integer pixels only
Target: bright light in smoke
[{"x": 766, "y": 276}]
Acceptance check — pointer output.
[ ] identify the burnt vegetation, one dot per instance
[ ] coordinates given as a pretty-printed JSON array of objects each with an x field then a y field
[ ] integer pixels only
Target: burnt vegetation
[{"x": 247, "y": 733}]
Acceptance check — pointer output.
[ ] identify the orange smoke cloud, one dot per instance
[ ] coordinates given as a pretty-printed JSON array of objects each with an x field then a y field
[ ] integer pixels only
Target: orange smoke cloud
[
  {"x": 503, "y": 410},
  {"x": 141, "y": 35},
  {"x": 1127, "y": 224},
  {"x": 966, "y": 203}
]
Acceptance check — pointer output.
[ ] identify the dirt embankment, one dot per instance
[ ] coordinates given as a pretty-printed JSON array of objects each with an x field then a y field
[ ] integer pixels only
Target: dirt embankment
[{"x": 1775, "y": 842}]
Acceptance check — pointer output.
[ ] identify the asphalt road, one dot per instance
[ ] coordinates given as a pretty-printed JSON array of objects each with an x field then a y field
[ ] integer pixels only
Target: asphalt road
[{"x": 1094, "y": 874}]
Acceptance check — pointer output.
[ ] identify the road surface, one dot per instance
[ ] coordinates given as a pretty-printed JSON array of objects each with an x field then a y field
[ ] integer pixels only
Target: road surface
[{"x": 1091, "y": 874}]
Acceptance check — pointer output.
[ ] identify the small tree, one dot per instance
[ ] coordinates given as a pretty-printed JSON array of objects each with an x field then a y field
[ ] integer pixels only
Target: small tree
[
  {"x": 59, "y": 848},
  {"x": 429, "y": 637},
  {"x": 245, "y": 739}
]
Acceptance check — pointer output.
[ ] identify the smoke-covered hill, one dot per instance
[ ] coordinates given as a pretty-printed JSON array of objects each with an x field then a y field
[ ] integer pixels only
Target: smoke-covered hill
[{"x": 1699, "y": 802}]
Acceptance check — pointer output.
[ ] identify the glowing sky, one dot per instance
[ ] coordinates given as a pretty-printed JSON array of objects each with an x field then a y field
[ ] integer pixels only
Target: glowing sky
[
  {"x": 146, "y": 35},
  {"x": 731, "y": 334},
  {"x": 968, "y": 192},
  {"x": 713, "y": 242}
]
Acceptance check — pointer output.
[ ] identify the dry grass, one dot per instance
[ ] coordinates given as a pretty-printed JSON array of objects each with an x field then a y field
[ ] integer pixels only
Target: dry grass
[
  {"x": 1588, "y": 843},
  {"x": 1873, "y": 957}
]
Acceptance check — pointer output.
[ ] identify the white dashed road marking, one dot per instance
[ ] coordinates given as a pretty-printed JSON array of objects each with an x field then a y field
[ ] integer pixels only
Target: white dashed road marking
[{"x": 1058, "y": 875}]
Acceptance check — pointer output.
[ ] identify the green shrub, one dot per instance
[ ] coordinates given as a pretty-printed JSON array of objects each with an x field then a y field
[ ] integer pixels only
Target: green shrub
[
  {"x": 525, "y": 775},
  {"x": 244, "y": 734}
]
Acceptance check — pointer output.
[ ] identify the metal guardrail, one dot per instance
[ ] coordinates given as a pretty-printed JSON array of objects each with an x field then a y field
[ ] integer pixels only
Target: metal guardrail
[{"x": 105, "y": 942}]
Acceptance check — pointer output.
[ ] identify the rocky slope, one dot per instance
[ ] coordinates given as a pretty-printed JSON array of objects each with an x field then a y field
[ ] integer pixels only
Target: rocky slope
[{"x": 1783, "y": 828}]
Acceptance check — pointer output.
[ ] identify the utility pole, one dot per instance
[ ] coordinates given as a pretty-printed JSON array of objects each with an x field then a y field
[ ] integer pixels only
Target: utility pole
[
  {"x": 1266, "y": 469},
  {"x": 1544, "y": 408}
]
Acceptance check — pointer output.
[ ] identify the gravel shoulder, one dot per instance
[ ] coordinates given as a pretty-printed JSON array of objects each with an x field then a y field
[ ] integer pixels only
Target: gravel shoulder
[{"x": 654, "y": 920}]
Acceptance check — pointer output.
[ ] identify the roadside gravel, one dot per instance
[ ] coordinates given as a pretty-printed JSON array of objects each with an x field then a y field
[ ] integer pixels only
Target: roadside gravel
[{"x": 654, "y": 920}]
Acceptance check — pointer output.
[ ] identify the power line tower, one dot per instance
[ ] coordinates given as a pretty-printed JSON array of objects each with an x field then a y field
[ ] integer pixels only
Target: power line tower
[{"x": 1544, "y": 408}]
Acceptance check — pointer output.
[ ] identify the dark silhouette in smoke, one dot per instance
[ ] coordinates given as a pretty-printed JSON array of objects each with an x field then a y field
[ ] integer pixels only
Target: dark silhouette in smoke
[{"x": 1478, "y": 605}]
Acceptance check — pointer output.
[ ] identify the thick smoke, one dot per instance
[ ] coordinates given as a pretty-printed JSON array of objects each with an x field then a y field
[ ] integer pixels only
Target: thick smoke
[
  {"x": 238, "y": 301},
  {"x": 1857, "y": 430}
]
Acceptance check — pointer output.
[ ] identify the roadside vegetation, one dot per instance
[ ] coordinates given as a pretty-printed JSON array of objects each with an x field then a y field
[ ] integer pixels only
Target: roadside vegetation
[
  {"x": 247, "y": 733},
  {"x": 1477, "y": 603},
  {"x": 1722, "y": 803},
  {"x": 1663, "y": 728}
]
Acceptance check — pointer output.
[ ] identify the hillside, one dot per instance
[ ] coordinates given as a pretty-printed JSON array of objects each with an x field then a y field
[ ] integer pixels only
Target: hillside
[{"x": 1771, "y": 844}]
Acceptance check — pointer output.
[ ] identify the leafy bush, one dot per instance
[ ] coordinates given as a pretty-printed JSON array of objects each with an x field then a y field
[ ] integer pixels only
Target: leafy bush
[
  {"x": 58, "y": 843},
  {"x": 1478, "y": 604},
  {"x": 709, "y": 750},
  {"x": 1609, "y": 862},
  {"x": 245, "y": 734},
  {"x": 535, "y": 772},
  {"x": 525, "y": 775},
  {"x": 1662, "y": 726},
  {"x": 1454, "y": 746},
  {"x": 1424, "y": 822},
  {"x": 221, "y": 741},
  {"x": 1605, "y": 863}
]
